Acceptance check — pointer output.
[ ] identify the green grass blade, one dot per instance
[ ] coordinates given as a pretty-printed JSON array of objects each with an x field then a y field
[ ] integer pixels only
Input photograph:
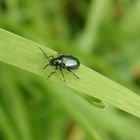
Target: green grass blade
[
  {"x": 24, "y": 54},
  {"x": 6, "y": 126},
  {"x": 17, "y": 109},
  {"x": 96, "y": 14}
]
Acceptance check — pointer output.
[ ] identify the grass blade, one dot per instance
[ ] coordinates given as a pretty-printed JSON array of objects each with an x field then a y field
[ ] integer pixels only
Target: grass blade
[{"x": 24, "y": 54}]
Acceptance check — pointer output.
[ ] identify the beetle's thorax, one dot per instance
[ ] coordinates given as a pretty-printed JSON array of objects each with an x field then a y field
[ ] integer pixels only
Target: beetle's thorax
[{"x": 56, "y": 62}]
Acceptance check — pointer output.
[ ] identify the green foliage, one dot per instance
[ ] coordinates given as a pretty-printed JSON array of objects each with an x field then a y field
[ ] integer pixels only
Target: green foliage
[
  {"x": 104, "y": 35},
  {"x": 90, "y": 83}
]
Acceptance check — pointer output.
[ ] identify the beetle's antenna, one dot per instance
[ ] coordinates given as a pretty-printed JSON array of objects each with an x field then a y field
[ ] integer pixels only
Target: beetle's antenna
[{"x": 44, "y": 53}]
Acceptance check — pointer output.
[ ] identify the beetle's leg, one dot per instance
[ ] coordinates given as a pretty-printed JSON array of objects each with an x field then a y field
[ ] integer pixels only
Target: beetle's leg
[
  {"x": 52, "y": 72},
  {"x": 46, "y": 66},
  {"x": 58, "y": 54},
  {"x": 62, "y": 74},
  {"x": 45, "y": 54},
  {"x": 73, "y": 73}
]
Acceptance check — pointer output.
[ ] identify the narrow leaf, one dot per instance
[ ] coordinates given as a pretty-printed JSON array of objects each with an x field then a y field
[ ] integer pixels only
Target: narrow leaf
[{"x": 24, "y": 54}]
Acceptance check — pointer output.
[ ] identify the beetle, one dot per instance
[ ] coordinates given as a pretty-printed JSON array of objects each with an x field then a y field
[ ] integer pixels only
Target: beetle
[{"x": 61, "y": 62}]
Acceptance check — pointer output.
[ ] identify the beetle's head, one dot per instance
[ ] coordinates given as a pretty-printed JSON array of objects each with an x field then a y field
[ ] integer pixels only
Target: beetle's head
[{"x": 56, "y": 62}]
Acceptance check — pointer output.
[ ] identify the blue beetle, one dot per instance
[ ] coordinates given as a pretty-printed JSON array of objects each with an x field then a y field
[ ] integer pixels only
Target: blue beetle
[{"x": 67, "y": 62}]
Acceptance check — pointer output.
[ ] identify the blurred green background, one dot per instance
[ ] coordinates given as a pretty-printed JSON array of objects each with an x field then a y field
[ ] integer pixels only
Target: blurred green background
[{"x": 103, "y": 34}]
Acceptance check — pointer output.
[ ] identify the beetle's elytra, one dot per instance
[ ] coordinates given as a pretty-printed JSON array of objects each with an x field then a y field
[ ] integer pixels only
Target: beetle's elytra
[{"x": 67, "y": 62}]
